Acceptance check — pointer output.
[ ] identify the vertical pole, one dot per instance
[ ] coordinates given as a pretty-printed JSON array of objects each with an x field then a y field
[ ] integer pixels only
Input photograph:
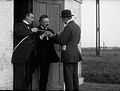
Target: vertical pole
[{"x": 97, "y": 28}]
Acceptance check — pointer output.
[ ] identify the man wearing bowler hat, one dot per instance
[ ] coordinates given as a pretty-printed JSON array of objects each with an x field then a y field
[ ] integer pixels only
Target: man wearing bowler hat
[{"x": 70, "y": 55}]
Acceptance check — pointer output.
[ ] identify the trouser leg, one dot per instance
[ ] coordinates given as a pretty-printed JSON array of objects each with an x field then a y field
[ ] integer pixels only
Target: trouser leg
[
  {"x": 19, "y": 77},
  {"x": 44, "y": 70},
  {"x": 71, "y": 76},
  {"x": 30, "y": 68},
  {"x": 68, "y": 76},
  {"x": 75, "y": 76}
]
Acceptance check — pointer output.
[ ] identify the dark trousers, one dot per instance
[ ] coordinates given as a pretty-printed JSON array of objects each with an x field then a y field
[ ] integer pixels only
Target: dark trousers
[
  {"x": 71, "y": 76},
  {"x": 44, "y": 71},
  {"x": 23, "y": 74}
]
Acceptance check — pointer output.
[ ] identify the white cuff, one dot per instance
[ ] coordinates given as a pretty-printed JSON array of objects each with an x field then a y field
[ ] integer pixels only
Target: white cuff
[{"x": 41, "y": 36}]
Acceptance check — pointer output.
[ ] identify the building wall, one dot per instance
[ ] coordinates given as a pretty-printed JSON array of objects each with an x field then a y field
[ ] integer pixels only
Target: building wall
[
  {"x": 75, "y": 8},
  {"x": 6, "y": 44}
]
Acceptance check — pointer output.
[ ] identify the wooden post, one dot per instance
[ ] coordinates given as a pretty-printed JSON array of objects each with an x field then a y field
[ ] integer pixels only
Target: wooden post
[{"x": 97, "y": 28}]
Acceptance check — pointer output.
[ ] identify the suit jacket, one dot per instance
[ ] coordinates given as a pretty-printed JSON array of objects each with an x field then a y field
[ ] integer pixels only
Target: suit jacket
[
  {"x": 70, "y": 37},
  {"x": 24, "y": 50},
  {"x": 45, "y": 47}
]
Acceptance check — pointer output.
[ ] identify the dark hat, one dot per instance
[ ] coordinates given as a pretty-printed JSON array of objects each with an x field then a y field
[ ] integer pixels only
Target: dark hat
[{"x": 66, "y": 13}]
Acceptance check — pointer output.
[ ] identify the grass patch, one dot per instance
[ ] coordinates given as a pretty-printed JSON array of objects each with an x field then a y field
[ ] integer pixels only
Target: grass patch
[
  {"x": 99, "y": 87},
  {"x": 101, "y": 69}
]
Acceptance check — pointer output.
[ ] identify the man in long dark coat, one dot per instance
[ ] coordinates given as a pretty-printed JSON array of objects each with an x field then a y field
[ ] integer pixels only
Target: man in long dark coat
[
  {"x": 23, "y": 57},
  {"x": 45, "y": 51},
  {"x": 70, "y": 55}
]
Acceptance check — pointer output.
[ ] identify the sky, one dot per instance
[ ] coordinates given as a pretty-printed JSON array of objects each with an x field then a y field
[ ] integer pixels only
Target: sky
[{"x": 109, "y": 23}]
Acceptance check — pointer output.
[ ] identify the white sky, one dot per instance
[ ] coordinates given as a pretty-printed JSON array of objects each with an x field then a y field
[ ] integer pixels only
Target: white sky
[{"x": 109, "y": 23}]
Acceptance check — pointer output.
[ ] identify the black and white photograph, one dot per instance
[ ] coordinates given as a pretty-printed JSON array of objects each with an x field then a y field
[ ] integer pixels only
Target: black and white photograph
[{"x": 60, "y": 45}]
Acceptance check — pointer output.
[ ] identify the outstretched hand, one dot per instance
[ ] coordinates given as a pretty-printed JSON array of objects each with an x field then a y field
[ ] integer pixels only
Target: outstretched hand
[
  {"x": 48, "y": 34},
  {"x": 34, "y": 29}
]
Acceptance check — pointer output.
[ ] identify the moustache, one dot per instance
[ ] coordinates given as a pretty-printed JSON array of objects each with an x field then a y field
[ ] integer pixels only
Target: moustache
[{"x": 47, "y": 24}]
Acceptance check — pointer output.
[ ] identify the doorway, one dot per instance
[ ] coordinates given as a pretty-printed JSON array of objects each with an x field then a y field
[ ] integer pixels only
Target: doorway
[
  {"x": 20, "y": 6},
  {"x": 53, "y": 9}
]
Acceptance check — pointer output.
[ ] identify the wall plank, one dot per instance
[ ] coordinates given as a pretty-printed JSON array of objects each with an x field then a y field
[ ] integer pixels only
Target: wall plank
[{"x": 6, "y": 44}]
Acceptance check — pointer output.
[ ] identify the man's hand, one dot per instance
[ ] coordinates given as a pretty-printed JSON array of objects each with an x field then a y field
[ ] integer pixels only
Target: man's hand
[
  {"x": 42, "y": 36},
  {"x": 48, "y": 34},
  {"x": 34, "y": 29}
]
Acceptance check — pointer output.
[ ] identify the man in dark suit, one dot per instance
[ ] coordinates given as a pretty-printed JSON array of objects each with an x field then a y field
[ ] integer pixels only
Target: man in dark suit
[
  {"x": 23, "y": 57},
  {"x": 70, "y": 55},
  {"x": 45, "y": 51}
]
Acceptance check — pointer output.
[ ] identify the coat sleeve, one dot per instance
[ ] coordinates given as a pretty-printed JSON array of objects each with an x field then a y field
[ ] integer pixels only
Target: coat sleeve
[{"x": 64, "y": 36}]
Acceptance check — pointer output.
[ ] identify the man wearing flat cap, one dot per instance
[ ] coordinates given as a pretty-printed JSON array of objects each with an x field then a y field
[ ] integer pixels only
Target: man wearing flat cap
[{"x": 70, "y": 55}]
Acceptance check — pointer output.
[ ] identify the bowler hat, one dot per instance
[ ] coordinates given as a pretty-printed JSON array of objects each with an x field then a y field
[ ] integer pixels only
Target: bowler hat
[{"x": 66, "y": 13}]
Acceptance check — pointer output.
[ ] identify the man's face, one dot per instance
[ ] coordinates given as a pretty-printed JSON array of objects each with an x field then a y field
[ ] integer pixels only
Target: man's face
[
  {"x": 64, "y": 20},
  {"x": 45, "y": 22},
  {"x": 30, "y": 18}
]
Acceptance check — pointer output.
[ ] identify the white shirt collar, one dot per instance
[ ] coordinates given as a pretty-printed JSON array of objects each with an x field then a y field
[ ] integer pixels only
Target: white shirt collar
[
  {"x": 25, "y": 22},
  {"x": 43, "y": 27},
  {"x": 69, "y": 21}
]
